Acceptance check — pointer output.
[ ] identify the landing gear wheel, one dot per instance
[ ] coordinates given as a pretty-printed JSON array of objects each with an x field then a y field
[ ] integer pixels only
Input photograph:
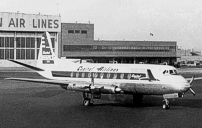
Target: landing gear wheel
[
  {"x": 88, "y": 99},
  {"x": 86, "y": 102},
  {"x": 166, "y": 106}
]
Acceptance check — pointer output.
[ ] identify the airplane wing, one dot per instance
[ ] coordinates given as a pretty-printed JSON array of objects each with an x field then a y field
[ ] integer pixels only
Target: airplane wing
[
  {"x": 81, "y": 86},
  {"x": 46, "y": 81},
  {"x": 70, "y": 85}
]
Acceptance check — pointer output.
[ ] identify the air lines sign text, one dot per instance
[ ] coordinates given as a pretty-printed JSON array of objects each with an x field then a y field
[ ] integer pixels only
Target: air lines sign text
[{"x": 30, "y": 23}]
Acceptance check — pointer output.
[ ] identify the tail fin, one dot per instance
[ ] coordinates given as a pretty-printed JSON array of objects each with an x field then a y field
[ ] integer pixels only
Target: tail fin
[{"x": 46, "y": 55}]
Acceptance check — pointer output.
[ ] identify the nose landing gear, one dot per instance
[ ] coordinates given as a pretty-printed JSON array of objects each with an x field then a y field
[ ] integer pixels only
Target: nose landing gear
[{"x": 166, "y": 104}]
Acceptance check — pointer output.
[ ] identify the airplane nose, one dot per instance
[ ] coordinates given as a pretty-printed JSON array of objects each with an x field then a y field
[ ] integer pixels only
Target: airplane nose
[{"x": 186, "y": 87}]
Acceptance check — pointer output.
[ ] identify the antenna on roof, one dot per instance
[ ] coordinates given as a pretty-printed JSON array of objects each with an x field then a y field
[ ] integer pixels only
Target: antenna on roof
[{"x": 57, "y": 8}]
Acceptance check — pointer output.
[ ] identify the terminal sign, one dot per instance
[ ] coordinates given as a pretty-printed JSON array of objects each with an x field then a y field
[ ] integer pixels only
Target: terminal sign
[{"x": 25, "y": 22}]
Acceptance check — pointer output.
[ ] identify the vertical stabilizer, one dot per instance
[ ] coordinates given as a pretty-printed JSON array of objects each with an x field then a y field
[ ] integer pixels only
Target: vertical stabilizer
[{"x": 46, "y": 55}]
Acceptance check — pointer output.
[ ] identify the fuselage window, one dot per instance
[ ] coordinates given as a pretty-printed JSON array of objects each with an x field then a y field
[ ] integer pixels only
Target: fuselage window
[{"x": 115, "y": 76}]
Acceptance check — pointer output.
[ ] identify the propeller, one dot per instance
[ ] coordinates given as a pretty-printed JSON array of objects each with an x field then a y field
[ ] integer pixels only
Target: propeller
[
  {"x": 192, "y": 91},
  {"x": 190, "y": 82}
]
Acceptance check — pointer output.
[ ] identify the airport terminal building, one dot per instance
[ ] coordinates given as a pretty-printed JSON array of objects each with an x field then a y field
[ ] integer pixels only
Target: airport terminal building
[
  {"x": 20, "y": 36},
  {"x": 77, "y": 41}
]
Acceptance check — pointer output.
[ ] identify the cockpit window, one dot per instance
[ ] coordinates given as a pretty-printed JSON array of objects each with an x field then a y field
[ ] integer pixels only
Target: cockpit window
[
  {"x": 165, "y": 72},
  {"x": 171, "y": 72},
  {"x": 175, "y": 72}
]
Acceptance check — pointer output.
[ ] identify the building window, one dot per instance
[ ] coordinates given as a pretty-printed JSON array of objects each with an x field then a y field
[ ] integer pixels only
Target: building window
[
  {"x": 70, "y": 31},
  {"x": 32, "y": 54},
  {"x": 53, "y": 42},
  {"x": 22, "y": 42},
  {"x": 28, "y": 41},
  {"x": 7, "y": 45},
  {"x": 18, "y": 54},
  {"x": 77, "y": 31},
  {"x": 11, "y": 42},
  {"x": 25, "y": 48},
  {"x": 23, "y": 54},
  {"x": 11, "y": 53},
  {"x": 1, "y": 41},
  {"x": 1, "y": 53},
  {"x": 38, "y": 41},
  {"x": 18, "y": 42},
  {"x": 32, "y": 42},
  {"x": 118, "y": 48},
  {"x": 83, "y": 31},
  {"x": 28, "y": 52}
]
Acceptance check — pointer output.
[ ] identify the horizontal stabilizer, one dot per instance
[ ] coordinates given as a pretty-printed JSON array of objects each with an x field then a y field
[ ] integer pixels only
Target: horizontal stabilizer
[{"x": 28, "y": 66}]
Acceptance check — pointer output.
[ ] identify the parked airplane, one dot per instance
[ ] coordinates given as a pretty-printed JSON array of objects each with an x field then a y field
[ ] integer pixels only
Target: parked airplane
[{"x": 95, "y": 79}]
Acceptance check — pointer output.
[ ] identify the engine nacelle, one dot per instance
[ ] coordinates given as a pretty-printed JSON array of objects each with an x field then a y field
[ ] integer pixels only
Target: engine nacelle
[
  {"x": 96, "y": 90},
  {"x": 107, "y": 90},
  {"x": 75, "y": 87}
]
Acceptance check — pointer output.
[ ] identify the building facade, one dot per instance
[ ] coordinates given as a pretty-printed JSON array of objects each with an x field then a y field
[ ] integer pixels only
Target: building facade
[{"x": 20, "y": 36}]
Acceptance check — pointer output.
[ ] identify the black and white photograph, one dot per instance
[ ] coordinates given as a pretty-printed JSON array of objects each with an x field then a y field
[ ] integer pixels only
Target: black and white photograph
[{"x": 100, "y": 64}]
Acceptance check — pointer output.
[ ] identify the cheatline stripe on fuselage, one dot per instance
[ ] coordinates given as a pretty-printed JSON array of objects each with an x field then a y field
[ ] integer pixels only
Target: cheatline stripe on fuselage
[{"x": 99, "y": 75}]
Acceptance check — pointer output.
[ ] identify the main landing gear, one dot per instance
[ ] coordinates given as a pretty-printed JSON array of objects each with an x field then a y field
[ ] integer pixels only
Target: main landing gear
[
  {"x": 88, "y": 99},
  {"x": 166, "y": 104}
]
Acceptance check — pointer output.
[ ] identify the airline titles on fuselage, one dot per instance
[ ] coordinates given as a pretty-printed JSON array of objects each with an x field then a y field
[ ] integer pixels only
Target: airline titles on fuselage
[{"x": 100, "y": 69}]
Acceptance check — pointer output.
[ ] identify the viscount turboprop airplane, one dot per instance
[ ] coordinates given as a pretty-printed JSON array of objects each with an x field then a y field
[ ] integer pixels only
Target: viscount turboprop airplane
[{"x": 94, "y": 79}]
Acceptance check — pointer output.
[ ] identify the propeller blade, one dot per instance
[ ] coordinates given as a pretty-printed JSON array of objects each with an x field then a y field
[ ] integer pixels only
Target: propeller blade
[
  {"x": 192, "y": 79},
  {"x": 192, "y": 91}
]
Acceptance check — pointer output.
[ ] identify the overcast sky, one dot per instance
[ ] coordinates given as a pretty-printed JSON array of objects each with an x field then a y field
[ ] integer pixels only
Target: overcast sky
[{"x": 133, "y": 20}]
